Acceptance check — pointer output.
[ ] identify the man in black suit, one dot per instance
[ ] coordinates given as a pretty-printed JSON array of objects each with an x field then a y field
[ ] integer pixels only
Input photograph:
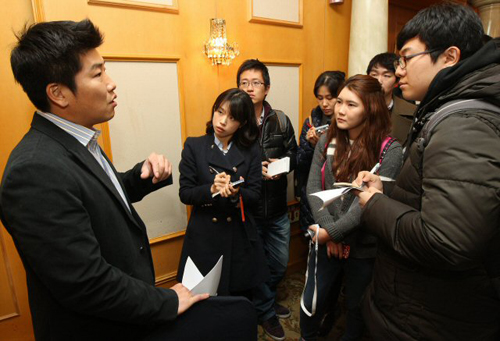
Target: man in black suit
[{"x": 85, "y": 249}]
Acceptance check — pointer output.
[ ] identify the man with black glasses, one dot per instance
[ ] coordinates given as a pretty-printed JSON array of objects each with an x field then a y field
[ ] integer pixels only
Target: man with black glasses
[
  {"x": 277, "y": 140},
  {"x": 437, "y": 270}
]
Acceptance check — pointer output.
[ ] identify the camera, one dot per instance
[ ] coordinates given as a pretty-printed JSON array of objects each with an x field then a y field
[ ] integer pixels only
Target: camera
[
  {"x": 321, "y": 129},
  {"x": 309, "y": 234}
]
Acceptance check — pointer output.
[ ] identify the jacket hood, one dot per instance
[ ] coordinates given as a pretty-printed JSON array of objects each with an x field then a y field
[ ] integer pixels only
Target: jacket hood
[{"x": 475, "y": 77}]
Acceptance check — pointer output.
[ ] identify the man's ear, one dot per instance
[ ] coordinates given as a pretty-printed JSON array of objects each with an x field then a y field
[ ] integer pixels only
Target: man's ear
[
  {"x": 451, "y": 56},
  {"x": 268, "y": 87},
  {"x": 57, "y": 94}
]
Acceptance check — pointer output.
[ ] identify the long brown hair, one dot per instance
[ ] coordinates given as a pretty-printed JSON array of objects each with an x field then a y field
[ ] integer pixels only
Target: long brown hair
[{"x": 363, "y": 154}]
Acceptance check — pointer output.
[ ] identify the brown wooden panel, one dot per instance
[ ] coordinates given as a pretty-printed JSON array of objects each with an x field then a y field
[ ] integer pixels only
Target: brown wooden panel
[
  {"x": 398, "y": 17},
  {"x": 9, "y": 306},
  {"x": 400, "y": 12}
]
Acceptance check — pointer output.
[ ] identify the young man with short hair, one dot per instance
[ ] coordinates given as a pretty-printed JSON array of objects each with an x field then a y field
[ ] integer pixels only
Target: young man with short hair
[
  {"x": 382, "y": 68},
  {"x": 437, "y": 272},
  {"x": 277, "y": 140},
  {"x": 85, "y": 249}
]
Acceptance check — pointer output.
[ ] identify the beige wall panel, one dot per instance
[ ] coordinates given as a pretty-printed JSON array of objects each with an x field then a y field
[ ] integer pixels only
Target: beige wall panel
[
  {"x": 285, "y": 95},
  {"x": 286, "y": 10},
  {"x": 148, "y": 119}
]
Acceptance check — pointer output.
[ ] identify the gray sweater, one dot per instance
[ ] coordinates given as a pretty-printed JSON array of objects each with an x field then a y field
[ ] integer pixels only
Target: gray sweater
[{"x": 342, "y": 218}]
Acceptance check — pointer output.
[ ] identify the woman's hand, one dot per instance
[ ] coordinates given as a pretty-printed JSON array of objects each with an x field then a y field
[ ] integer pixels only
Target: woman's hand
[
  {"x": 222, "y": 185},
  {"x": 231, "y": 191},
  {"x": 312, "y": 137},
  {"x": 220, "y": 182},
  {"x": 321, "y": 237},
  {"x": 334, "y": 249}
]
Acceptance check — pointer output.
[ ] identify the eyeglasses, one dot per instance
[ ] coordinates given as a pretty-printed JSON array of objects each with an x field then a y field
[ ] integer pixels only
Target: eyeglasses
[
  {"x": 255, "y": 84},
  {"x": 403, "y": 60}
]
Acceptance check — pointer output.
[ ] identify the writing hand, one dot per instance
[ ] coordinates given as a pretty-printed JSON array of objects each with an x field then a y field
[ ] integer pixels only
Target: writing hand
[
  {"x": 365, "y": 196},
  {"x": 156, "y": 166},
  {"x": 369, "y": 180},
  {"x": 312, "y": 137},
  {"x": 186, "y": 298},
  {"x": 220, "y": 182}
]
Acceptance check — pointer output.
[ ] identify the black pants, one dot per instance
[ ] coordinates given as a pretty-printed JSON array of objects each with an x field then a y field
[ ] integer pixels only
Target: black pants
[{"x": 217, "y": 318}]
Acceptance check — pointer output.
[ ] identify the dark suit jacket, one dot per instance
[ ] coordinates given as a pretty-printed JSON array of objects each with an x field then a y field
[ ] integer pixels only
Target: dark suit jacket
[
  {"x": 215, "y": 227},
  {"x": 87, "y": 258},
  {"x": 401, "y": 117}
]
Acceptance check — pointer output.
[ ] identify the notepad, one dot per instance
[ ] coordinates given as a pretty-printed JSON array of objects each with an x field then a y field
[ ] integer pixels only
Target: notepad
[
  {"x": 234, "y": 184},
  {"x": 279, "y": 167}
]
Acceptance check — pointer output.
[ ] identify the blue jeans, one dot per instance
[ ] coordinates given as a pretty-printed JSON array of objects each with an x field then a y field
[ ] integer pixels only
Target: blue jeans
[
  {"x": 357, "y": 273},
  {"x": 275, "y": 235}
]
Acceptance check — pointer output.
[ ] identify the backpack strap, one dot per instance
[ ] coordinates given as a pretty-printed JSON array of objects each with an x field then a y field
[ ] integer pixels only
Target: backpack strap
[
  {"x": 281, "y": 120},
  {"x": 431, "y": 121},
  {"x": 434, "y": 118},
  {"x": 388, "y": 141}
]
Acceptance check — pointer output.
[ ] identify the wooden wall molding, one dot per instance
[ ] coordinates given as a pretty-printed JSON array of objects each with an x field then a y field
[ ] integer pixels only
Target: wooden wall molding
[
  {"x": 8, "y": 297},
  {"x": 140, "y": 5},
  {"x": 277, "y": 22}
]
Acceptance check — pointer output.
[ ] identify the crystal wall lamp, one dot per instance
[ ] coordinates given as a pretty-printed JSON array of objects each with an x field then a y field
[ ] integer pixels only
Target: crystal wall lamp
[{"x": 217, "y": 49}]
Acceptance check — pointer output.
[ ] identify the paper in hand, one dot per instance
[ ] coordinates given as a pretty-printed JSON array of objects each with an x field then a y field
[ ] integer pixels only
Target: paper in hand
[
  {"x": 331, "y": 195},
  {"x": 279, "y": 167},
  {"x": 196, "y": 283}
]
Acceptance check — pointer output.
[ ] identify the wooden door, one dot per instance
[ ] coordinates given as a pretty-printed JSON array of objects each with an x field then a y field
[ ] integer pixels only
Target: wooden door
[{"x": 15, "y": 116}]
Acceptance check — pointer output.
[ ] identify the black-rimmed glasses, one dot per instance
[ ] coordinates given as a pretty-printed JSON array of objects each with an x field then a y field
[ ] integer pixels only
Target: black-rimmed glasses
[
  {"x": 402, "y": 61},
  {"x": 255, "y": 84}
]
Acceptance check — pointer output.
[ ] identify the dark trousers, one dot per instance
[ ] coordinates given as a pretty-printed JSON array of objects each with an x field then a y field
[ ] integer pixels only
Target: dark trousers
[
  {"x": 217, "y": 318},
  {"x": 358, "y": 274}
]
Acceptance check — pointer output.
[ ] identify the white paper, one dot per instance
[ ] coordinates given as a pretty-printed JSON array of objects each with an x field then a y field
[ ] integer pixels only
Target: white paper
[
  {"x": 331, "y": 195},
  {"x": 278, "y": 167},
  {"x": 194, "y": 280}
]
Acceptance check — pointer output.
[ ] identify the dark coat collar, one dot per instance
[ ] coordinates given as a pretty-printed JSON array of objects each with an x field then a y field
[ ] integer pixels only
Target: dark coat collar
[
  {"x": 86, "y": 159},
  {"x": 222, "y": 162}
]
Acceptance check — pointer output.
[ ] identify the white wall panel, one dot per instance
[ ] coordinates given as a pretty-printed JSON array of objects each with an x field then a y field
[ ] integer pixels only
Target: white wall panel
[
  {"x": 148, "y": 119},
  {"x": 285, "y": 95}
]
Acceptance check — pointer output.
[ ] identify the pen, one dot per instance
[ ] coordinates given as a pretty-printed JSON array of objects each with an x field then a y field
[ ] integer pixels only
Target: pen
[
  {"x": 373, "y": 171},
  {"x": 213, "y": 169},
  {"x": 375, "y": 168}
]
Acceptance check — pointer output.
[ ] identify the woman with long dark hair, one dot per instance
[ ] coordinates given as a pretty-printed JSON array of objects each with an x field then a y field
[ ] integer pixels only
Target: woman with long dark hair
[
  {"x": 221, "y": 221},
  {"x": 357, "y": 139}
]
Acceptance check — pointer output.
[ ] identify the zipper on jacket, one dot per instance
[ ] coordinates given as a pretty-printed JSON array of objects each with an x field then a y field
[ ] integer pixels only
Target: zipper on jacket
[{"x": 265, "y": 154}]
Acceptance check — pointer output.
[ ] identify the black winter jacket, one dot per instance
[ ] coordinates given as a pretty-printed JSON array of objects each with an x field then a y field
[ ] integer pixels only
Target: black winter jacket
[
  {"x": 276, "y": 142},
  {"x": 439, "y": 232},
  {"x": 305, "y": 154}
]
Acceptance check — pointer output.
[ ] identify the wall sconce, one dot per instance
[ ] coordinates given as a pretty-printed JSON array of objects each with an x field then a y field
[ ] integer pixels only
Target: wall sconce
[{"x": 217, "y": 48}]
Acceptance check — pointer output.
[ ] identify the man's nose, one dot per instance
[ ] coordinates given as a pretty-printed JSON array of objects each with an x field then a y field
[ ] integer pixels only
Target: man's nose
[
  {"x": 400, "y": 72},
  {"x": 111, "y": 85}
]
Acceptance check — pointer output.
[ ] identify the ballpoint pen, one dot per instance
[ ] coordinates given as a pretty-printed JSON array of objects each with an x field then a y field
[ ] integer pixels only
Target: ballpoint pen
[{"x": 213, "y": 169}]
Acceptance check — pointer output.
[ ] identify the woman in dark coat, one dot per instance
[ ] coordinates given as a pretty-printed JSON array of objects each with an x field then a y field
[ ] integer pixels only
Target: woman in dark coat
[{"x": 221, "y": 221}]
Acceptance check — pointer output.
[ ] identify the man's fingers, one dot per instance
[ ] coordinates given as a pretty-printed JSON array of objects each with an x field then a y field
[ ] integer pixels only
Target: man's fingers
[
  {"x": 146, "y": 170},
  {"x": 199, "y": 297}
]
